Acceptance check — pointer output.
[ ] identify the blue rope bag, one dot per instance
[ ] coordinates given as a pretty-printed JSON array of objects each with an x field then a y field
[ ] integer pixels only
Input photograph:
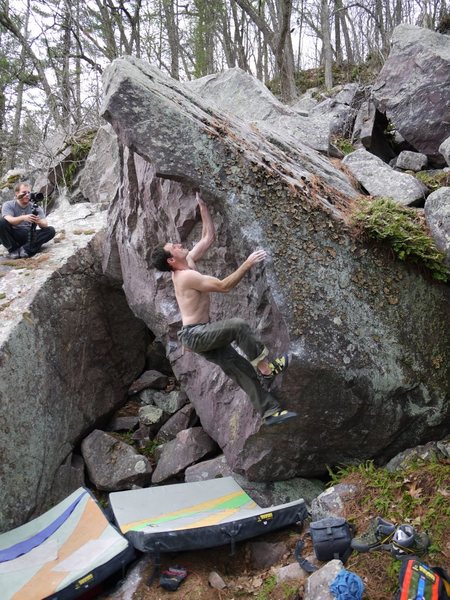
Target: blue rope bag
[{"x": 347, "y": 586}]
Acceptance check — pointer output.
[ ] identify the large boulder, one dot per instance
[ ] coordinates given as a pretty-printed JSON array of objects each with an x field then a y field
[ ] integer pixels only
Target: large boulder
[
  {"x": 413, "y": 88},
  {"x": 69, "y": 348},
  {"x": 368, "y": 336}
]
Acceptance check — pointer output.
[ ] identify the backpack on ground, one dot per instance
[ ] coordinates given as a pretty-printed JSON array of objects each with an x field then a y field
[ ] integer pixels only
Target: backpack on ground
[
  {"x": 418, "y": 581},
  {"x": 331, "y": 538}
]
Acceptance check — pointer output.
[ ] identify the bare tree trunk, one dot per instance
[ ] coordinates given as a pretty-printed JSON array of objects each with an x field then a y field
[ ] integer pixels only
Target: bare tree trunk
[
  {"x": 348, "y": 45},
  {"x": 337, "y": 33},
  {"x": 77, "y": 69},
  {"x": 65, "y": 75},
  {"x": 170, "y": 8},
  {"x": 283, "y": 53},
  {"x": 15, "y": 132},
  {"x": 238, "y": 40},
  {"x": 326, "y": 40},
  {"x": 259, "y": 57},
  {"x": 2, "y": 126},
  {"x": 228, "y": 46}
]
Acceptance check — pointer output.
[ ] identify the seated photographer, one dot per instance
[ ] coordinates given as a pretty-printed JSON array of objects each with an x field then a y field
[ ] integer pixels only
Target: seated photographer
[{"x": 18, "y": 224}]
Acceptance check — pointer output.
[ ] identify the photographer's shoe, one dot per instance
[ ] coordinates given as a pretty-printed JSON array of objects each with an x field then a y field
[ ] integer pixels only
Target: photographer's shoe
[
  {"x": 14, "y": 254},
  {"x": 23, "y": 253},
  {"x": 378, "y": 534}
]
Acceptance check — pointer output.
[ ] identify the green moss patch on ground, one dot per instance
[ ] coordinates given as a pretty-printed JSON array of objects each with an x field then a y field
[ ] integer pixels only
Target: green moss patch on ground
[{"x": 404, "y": 230}]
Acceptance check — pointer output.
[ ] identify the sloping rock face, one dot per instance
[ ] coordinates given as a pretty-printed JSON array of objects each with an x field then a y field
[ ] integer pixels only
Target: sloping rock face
[
  {"x": 245, "y": 97},
  {"x": 413, "y": 88},
  {"x": 69, "y": 348},
  {"x": 368, "y": 337}
]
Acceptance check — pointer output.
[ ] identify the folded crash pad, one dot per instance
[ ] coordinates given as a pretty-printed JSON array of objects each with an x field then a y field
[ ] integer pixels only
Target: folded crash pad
[
  {"x": 202, "y": 514},
  {"x": 61, "y": 554}
]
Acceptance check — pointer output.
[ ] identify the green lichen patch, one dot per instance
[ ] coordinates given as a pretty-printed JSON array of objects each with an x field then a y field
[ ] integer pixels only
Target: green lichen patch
[
  {"x": 344, "y": 145},
  {"x": 80, "y": 148},
  {"x": 434, "y": 179},
  {"x": 83, "y": 231},
  {"x": 403, "y": 230}
]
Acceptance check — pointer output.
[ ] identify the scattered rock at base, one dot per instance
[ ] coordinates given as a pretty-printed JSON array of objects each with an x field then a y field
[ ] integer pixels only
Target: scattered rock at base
[
  {"x": 318, "y": 583},
  {"x": 189, "y": 446},
  {"x": 113, "y": 465}
]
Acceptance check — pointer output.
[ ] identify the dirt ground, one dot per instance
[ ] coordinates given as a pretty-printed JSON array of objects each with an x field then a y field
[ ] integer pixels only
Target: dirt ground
[{"x": 235, "y": 569}]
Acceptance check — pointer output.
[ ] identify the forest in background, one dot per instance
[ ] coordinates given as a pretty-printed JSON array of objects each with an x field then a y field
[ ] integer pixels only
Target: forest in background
[{"x": 53, "y": 52}]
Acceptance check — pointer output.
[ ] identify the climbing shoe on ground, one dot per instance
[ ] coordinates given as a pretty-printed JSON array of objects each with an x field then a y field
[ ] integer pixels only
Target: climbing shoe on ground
[
  {"x": 406, "y": 540},
  {"x": 378, "y": 535},
  {"x": 277, "y": 366},
  {"x": 279, "y": 417},
  {"x": 172, "y": 578}
]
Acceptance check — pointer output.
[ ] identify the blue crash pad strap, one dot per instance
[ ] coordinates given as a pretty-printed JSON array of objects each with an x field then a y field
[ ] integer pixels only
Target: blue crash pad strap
[{"x": 24, "y": 547}]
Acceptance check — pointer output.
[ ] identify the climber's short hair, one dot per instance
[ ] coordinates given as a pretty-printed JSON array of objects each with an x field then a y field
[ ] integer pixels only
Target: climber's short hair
[{"x": 160, "y": 257}]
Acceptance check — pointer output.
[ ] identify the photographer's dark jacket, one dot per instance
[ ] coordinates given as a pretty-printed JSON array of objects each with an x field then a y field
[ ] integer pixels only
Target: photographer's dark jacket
[{"x": 12, "y": 208}]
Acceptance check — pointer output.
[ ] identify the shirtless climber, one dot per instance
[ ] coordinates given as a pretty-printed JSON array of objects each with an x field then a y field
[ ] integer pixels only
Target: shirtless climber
[{"x": 213, "y": 340}]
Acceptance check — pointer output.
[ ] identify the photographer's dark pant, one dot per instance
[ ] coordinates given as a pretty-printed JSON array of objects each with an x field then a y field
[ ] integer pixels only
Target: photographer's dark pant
[
  {"x": 13, "y": 238},
  {"x": 213, "y": 342}
]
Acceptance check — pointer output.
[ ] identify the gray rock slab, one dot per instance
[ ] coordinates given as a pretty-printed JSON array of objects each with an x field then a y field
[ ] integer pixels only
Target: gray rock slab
[
  {"x": 265, "y": 554},
  {"x": 100, "y": 186},
  {"x": 183, "y": 419},
  {"x": 216, "y": 581},
  {"x": 411, "y": 161},
  {"x": 244, "y": 96},
  {"x": 437, "y": 216},
  {"x": 208, "y": 469},
  {"x": 380, "y": 180},
  {"x": 331, "y": 503},
  {"x": 291, "y": 572},
  {"x": 187, "y": 448},
  {"x": 444, "y": 447},
  {"x": 426, "y": 453},
  {"x": 150, "y": 415},
  {"x": 113, "y": 465},
  {"x": 171, "y": 402},
  {"x": 280, "y": 492},
  {"x": 318, "y": 583},
  {"x": 68, "y": 478},
  {"x": 239, "y": 93},
  {"x": 149, "y": 379},
  {"x": 413, "y": 88},
  {"x": 444, "y": 149},
  {"x": 305, "y": 103}
]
